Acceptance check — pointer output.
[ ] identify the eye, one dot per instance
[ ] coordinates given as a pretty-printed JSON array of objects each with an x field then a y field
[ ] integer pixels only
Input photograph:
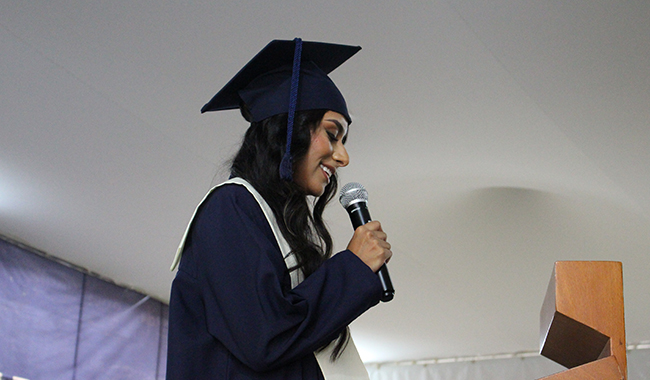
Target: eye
[{"x": 332, "y": 136}]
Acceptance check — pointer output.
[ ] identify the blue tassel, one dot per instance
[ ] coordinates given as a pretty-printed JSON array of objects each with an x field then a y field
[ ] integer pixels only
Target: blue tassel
[{"x": 286, "y": 166}]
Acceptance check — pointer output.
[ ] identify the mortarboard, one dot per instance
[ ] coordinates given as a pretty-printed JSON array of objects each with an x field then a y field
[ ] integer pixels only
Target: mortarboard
[{"x": 284, "y": 77}]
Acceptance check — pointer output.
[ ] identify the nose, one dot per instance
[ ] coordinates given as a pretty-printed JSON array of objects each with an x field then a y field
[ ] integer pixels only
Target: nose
[{"x": 340, "y": 155}]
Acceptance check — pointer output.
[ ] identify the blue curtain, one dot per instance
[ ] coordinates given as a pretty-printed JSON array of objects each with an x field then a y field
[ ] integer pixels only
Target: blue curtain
[{"x": 59, "y": 323}]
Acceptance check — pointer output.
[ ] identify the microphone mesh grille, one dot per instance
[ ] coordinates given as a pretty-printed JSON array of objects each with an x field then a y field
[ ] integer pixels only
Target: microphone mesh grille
[{"x": 351, "y": 193}]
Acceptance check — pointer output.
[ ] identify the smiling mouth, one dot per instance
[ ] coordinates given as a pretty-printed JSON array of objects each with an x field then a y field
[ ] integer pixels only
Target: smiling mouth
[{"x": 328, "y": 172}]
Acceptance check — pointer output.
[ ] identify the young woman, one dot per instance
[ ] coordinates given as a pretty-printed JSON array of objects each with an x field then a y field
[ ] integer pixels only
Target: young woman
[{"x": 258, "y": 293}]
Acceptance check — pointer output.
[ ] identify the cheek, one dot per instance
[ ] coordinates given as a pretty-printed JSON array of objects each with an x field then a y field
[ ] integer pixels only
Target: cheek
[{"x": 319, "y": 145}]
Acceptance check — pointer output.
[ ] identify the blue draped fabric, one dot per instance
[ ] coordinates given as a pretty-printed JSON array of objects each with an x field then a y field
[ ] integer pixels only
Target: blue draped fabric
[{"x": 59, "y": 323}]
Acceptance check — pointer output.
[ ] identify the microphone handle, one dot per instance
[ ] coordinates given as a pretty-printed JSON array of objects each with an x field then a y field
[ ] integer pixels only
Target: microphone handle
[{"x": 359, "y": 215}]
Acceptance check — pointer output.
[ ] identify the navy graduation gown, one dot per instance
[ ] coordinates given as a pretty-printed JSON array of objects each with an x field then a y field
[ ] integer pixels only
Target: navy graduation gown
[{"x": 233, "y": 314}]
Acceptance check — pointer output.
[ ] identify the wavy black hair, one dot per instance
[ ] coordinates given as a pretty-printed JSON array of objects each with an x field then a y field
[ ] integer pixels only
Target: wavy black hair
[{"x": 301, "y": 221}]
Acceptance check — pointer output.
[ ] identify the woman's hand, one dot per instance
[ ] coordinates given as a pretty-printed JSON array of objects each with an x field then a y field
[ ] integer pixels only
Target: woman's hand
[{"x": 370, "y": 245}]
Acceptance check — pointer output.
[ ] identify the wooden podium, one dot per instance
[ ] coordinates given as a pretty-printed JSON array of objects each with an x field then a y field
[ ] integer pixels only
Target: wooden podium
[{"x": 583, "y": 321}]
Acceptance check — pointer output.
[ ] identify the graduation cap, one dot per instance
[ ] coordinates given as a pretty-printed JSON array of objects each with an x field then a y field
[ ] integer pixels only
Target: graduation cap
[{"x": 284, "y": 77}]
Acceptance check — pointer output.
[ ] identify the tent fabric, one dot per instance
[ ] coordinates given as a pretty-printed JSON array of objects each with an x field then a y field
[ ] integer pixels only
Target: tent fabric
[
  {"x": 516, "y": 368},
  {"x": 520, "y": 368},
  {"x": 638, "y": 364}
]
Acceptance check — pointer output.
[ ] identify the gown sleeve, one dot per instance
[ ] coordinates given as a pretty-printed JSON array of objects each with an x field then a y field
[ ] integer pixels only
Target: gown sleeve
[{"x": 245, "y": 286}]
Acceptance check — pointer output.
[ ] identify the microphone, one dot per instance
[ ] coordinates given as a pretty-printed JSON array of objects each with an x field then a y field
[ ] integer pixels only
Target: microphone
[{"x": 354, "y": 199}]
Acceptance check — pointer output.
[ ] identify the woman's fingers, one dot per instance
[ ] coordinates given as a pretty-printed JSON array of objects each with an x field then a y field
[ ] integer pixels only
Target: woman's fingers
[{"x": 370, "y": 244}]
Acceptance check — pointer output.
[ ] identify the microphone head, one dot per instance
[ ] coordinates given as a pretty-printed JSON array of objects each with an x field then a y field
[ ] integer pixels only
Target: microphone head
[{"x": 351, "y": 193}]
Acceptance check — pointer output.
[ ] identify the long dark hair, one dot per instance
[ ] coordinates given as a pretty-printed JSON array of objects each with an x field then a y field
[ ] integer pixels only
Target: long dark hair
[{"x": 301, "y": 223}]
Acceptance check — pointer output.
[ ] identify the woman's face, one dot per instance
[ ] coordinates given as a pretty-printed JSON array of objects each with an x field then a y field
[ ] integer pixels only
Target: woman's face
[{"x": 325, "y": 155}]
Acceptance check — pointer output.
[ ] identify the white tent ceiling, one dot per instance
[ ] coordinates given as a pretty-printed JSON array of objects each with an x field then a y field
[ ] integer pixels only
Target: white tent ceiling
[{"x": 494, "y": 138}]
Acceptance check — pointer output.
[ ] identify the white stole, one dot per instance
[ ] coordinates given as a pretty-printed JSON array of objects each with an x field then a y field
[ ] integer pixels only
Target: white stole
[{"x": 349, "y": 365}]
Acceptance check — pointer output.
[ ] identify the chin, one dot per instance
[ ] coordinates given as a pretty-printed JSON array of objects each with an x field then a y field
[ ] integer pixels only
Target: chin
[
  {"x": 313, "y": 191},
  {"x": 317, "y": 192}
]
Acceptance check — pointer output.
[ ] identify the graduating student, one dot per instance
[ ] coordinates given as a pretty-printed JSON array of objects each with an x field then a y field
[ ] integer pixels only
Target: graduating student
[{"x": 258, "y": 293}]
